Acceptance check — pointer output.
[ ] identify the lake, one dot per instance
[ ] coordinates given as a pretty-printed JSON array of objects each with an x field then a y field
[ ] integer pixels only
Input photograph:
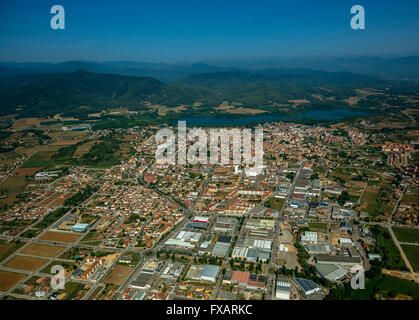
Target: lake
[{"x": 334, "y": 114}]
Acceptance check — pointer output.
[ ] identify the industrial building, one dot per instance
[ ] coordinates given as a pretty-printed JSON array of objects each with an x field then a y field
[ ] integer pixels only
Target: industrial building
[
  {"x": 220, "y": 249},
  {"x": 264, "y": 224},
  {"x": 306, "y": 286},
  {"x": 317, "y": 249},
  {"x": 373, "y": 256},
  {"x": 206, "y": 242},
  {"x": 245, "y": 279},
  {"x": 282, "y": 288},
  {"x": 221, "y": 246},
  {"x": 345, "y": 241},
  {"x": 198, "y": 223},
  {"x": 80, "y": 227},
  {"x": 172, "y": 271},
  {"x": 209, "y": 273},
  {"x": 224, "y": 225},
  {"x": 254, "y": 254},
  {"x": 345, "y": 226},
  {"x": 185, "y": 240},
  {"x": 309, "y": 236},
  {"x": 342, "y": 260},
  {"x": 203, "y": 273},
  {"x": 142, "y": 281},
  {"x": 331, "y": 272},
  {"x": 152, "y": 265}
]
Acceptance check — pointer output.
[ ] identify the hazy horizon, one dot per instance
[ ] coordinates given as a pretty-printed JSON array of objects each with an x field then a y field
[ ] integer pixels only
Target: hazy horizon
[{"x": 221, "y": 62}]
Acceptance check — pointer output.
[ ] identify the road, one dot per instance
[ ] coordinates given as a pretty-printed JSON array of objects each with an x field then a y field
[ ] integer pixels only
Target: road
[{"x": 272, "y": 262}]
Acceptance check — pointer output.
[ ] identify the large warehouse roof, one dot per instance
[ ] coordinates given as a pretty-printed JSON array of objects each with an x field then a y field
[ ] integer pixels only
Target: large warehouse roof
[{"x": 306, "y": 286}]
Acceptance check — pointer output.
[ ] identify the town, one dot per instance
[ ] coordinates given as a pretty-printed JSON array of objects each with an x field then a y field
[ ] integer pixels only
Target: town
[{"x": 126, "y": 227}]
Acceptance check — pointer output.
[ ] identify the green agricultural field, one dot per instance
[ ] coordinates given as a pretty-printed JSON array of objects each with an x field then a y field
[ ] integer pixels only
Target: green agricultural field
[
  {"x": 91, "y": 236},
  {"x": 371, "y": 199},
  {"x": 68, "y": 266},
  {"x": 399, "y": 286},
  {"x": 30, "y": 233},
  {"x": 317, "y": 225},
  {"x": 93, "y": 243},
  {"x": 13, "y": 185},
  {"x": 72, "y": 290},
  {"x": 7, "y": 248},
  {"x": 412, "y": 253},
  {"x": 412, "y": 197},
  {"x": 407, "y": 234},
  {"x": 276, "y": 203},
  {"x": 39, "y": 159},
  {"x": 385, "y": 247}
]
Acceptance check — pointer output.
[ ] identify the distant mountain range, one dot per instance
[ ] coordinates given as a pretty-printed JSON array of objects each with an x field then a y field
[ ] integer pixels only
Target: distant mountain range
[
  {"x": 78, "y": 88},
  {"x": 161, "y": 71},
  {"x": 283, "y": 77},
  {"x": 399, "y": 68},
  {"x": 81, "y": 92}
]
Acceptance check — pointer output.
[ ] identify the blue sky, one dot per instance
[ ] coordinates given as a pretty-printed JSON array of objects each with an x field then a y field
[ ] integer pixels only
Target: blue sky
[{"x": 181, "y": 30}]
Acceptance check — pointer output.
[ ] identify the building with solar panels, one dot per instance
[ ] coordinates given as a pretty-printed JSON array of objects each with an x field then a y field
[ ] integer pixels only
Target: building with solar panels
[{"x": 306, "y": 286}]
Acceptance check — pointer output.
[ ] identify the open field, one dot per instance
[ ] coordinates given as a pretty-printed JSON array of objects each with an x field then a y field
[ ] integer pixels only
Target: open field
[
  {"x": 70, "y": 134},
  {"x": 9, "y": 279},
  {"x": 84, "y": 148},
  {"x": 43, "y": 250},
  {"x": 407, "y": 234},
  {"x": 399, "y": 286},
  {"x": 30, "y": 233},
  {"x": 385, "y": 247},
  {"x": 129, "y": 137},
  {"x": 25, "y": 123},
  {"x": 53, "y": 134},
  {"x": 317, "y": 225},
  {"x": 9, "y": 200},
  {"x": 118, "y": 275},
  {"x": 72, "y": 290},
  {"x": 68, "y": 267},
  {"x": 370, "y": 201},
  {"x": 276, "y": 203},
  {"x": 64, "y": 143},
  {"x": 28, "y": 171},
  {"x": 28, "y": 151},
  {"x": 246, "y": 111},
  {"x": 6, "y": 249},
  {"x": 57, "y": 199},
  {"x": 92, "y": 236},
  {"x": 412, "y": 253},
  {"x": 13, "y": 184},
  {"x": 412, "y": 197},
  {"x": 60, "y": 236},
  {"x": 39, "y": 159},
  {"x": 25, "y": 263},
  {"x": 94, "y": 295}
]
